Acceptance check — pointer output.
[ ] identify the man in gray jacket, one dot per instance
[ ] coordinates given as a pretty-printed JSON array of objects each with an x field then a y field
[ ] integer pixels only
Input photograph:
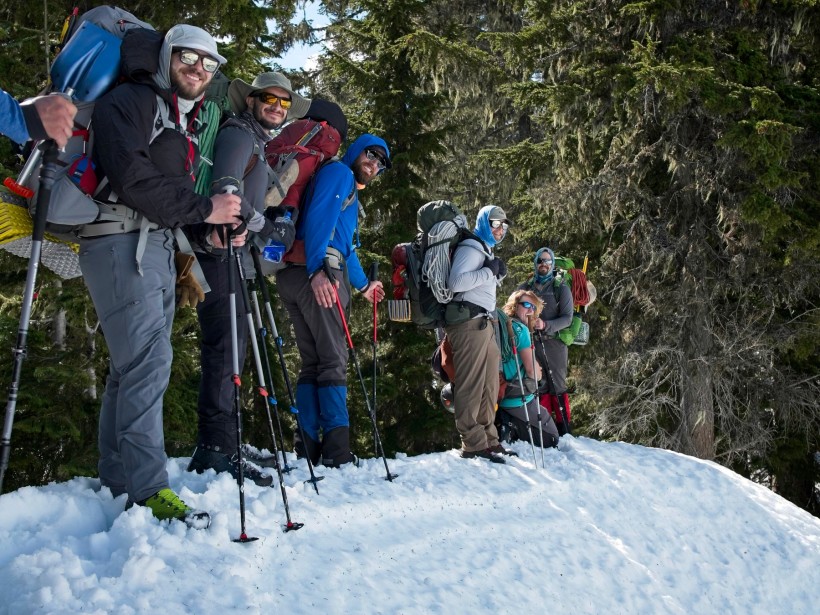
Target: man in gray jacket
[
  {"x": 240, "y": 166},
  {"x": 475, "y": 274}
]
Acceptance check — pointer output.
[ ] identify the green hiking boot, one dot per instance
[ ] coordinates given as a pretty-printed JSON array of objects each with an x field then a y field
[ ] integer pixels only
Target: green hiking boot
[{"x": 166, "y": 505}]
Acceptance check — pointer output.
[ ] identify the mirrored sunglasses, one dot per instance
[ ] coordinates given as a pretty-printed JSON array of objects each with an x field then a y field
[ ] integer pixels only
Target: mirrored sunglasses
[
  {"x": 272, "y": 99},
  {"x": 189, "y": 57},
  {"x": 499, "y": 224},
  {"x": 372, "y": 155},
  {"x": 527, "y": 305},
  {"x": 545, "y": 261}
]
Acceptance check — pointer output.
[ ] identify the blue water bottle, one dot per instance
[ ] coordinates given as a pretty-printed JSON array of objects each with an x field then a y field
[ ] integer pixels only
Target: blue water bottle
[{"x": 274, "y": 250}]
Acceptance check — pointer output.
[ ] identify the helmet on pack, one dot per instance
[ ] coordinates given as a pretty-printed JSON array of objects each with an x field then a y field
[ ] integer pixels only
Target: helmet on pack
[{"x": 447, "y": 398}]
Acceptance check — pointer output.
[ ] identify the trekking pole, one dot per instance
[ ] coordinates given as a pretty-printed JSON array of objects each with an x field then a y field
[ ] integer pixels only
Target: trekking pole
[
  {"x": 540, "y": 425},
  {"x": 264, "y": 378},
  {"x": 374, "y": 275},
  {"x": 257, "y": 263},
  {"x": 523, "y": 393},
  {"x": 48, "y": 173},
  {"x": 561, "y": 405},
  {"x": 263, "y": 391},
  {"x": 376, "y": 436},
  {"x": 237, "y": 382},
  {"x": 262, "y": 332}
]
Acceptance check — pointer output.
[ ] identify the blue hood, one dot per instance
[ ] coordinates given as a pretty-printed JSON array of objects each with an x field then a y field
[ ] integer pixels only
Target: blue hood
[
  {"x": 483, "y": 228},
  {"x": 543, "y": 279},
  {"x": 365, "y": 141}
]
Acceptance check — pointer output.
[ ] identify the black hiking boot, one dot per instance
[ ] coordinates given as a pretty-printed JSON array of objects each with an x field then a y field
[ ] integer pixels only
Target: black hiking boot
[
  {"x": 251, "y": 454},
  {"x": 503, "y": 451},
  {"x": 487, "y": 454},
  {"x": 336, "y": 448},
  {"x": 210, "y": 458},
  {"x": 313, "y": 448}
]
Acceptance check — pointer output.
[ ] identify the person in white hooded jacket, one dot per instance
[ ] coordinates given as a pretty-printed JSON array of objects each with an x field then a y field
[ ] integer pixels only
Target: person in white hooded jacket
[{"x": 475, "y": 274}]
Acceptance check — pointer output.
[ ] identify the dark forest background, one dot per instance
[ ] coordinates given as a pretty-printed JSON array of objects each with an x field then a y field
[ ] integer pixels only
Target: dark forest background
[{"x": 676, "y": 143}]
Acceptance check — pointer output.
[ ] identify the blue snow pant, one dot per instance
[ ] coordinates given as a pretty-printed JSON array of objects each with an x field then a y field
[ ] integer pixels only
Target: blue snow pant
[{"x": 136, "y": 313}]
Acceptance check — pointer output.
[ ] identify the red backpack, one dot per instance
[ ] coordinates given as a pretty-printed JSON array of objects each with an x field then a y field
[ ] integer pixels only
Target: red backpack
[{"x": 309, "y": 143}]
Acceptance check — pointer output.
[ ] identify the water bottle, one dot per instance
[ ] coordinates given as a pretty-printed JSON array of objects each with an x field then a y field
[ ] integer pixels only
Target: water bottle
[{"x": 275, "y": 250}]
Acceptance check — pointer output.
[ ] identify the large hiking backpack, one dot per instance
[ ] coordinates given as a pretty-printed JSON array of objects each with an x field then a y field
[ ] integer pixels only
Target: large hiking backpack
[
  {"x": 421, "y": 268},
  {"x": 88, "y": 65},
  {"x": 304, "y": 144}
]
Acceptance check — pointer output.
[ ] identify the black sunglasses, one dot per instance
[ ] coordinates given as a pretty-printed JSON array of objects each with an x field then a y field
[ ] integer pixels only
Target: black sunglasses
[{"x": 527, "y": 305}]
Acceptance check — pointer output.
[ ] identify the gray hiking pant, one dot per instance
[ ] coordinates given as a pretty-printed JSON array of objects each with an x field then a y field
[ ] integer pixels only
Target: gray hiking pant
[
  {"x": 136, "y": 313},
  {"x": 475, "y": 358}
]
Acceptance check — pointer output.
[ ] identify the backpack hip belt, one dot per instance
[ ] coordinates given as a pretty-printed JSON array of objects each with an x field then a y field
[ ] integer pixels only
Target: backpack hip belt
[
  {"x": 114, "y": 219},
  {"x": 476, "y": 311},
  {"x": 335, "y": 259}
]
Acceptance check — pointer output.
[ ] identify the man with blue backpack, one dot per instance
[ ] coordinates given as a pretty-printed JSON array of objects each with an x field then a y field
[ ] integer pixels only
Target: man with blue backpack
[
  {"x": 146, "y": 148},
  {"x": 329, "y": 225}
]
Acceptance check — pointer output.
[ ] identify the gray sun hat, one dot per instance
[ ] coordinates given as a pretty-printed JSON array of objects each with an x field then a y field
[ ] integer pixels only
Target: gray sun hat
[
  {"x": 239, "y": 91},
  {"x": 496, "y": 213}
]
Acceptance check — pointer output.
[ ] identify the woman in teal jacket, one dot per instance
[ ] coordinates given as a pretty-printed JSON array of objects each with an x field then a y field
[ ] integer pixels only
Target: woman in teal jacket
[{"x": 517, "y": 359}]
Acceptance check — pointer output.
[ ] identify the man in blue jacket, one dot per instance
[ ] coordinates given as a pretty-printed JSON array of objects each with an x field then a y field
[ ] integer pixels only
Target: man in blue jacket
[{"x": 329, "y": 225}]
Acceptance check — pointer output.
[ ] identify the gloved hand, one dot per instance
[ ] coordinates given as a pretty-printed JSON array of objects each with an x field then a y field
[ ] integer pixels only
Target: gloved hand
[
  {"x": 188, "y": 290},
  {"x": 281, "y": 229},
  {"x": 257, "y": 222},
  {"x": 497, "y": 266}
]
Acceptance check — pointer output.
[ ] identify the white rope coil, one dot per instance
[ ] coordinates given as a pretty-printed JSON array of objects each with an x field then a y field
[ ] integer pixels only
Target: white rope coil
[{"x": 435, "y": 270}]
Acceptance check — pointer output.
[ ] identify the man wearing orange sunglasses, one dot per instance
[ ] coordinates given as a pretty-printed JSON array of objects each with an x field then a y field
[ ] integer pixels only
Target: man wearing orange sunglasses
[{"x": 239, "y": 167}]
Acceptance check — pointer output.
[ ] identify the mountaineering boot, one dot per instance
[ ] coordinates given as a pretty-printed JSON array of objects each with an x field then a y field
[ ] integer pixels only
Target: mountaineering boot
[
  {"x": 166, "y": 505},
  {"x": 211, "y": 458},
  {"x": 336, "y": 448},
  {"x": 311, "y": 448},
  {"x": 487, "y": 454},
  {"x": 258, "y": 458},
  {"x": 503, "y": 451}
]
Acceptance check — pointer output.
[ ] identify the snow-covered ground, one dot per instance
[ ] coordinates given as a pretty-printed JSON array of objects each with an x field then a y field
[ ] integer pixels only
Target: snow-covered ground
[{"x": 602, "y": 528}]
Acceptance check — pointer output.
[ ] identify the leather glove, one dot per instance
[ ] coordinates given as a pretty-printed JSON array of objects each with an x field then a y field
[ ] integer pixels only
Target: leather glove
[
  {"x": 497, "y": 266},
  {"x": 281, "y": 229},
  {"x": 188, "y": 290}
]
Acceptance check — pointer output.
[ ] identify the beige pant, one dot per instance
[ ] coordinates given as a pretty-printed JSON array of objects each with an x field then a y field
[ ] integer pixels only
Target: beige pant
[{"x": 476, "y": 360}]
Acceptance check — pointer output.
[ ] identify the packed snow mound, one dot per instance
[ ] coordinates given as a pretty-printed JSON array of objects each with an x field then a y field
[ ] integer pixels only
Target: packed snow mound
[{"x": 601, "y": 528}]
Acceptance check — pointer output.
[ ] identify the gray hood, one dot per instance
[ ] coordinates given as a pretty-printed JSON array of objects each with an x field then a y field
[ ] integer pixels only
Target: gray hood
[{"x": 190, "y": 37}]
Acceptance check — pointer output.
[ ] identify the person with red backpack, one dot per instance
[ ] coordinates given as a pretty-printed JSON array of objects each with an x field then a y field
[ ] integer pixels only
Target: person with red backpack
[
  {"x": 329, "y": 227},
  {"x": 239, "y": 167},
  {"x": 551, "y": 352}
]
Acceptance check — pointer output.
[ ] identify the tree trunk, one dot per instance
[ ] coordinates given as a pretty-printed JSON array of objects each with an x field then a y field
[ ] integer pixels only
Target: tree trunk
[{"x": 58, "y": 322}]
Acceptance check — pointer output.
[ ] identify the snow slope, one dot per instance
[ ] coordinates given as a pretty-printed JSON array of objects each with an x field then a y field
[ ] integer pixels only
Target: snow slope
[{"x": 602, "y": 528}]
